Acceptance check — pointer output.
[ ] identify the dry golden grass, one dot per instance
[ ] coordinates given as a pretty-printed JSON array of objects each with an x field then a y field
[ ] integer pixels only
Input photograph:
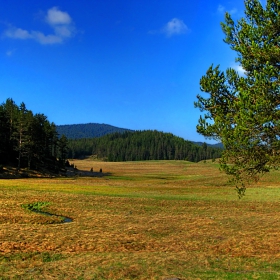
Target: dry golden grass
[{"x": 141, "y": 220}]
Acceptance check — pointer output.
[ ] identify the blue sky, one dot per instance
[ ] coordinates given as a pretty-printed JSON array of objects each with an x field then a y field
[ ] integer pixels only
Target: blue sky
[{"x": 132, "y": 64}]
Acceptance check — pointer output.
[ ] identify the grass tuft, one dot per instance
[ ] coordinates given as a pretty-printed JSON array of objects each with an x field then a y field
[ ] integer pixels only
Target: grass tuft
[{"x": 35, "y": 206}]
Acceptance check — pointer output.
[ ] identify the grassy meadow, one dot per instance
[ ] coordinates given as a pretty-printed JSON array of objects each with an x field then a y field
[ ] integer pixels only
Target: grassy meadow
[{"x": 140, "y": 220}]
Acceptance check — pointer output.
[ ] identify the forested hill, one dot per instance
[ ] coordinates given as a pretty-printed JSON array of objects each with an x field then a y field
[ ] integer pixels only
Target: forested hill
[
  {"x": 141, "y": 145},
  {"x": 88, "y": 130}
]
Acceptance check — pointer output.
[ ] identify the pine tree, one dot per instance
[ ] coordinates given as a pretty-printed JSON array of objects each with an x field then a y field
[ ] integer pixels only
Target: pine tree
[{"x": 243, "y": 111}]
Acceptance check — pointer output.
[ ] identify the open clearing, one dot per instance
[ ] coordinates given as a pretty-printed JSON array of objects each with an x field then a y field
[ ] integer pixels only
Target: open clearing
[{"x": 141, "y": 220}]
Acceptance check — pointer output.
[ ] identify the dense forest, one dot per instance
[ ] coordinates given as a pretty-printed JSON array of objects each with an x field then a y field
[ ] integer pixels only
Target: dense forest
[
  {"x": 141, "y": 145},
  {"x": 29, "y": 140},
  {"x": 87, "y": 130}
]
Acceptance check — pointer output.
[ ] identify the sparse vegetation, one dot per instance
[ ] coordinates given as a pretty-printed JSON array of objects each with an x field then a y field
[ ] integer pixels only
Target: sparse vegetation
[{"x": 35, "y": 206}]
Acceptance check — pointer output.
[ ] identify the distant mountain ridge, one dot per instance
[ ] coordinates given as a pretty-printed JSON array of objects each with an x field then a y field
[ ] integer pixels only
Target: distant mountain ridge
[
  {"x": 218, "y": 145},
  {"x": 93, "y": 130},
  {"x": 88, "y": 130}
]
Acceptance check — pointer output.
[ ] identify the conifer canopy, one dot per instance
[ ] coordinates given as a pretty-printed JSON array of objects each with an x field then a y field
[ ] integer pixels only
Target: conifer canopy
[{"x": 242, "y": 111}]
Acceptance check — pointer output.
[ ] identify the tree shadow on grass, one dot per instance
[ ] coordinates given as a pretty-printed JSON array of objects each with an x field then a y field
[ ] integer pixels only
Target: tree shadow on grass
[
  {"x": 13, "y": 173},
  {"x": 74, "y": 172}
]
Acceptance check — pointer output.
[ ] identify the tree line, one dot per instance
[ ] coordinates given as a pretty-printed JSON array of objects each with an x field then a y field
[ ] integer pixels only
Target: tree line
[
  {"x": 141, "y": 145},
  {"x": 29, "y": 140}
]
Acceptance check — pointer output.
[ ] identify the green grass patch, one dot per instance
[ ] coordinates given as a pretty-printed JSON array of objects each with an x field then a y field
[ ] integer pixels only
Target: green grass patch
[{"x": 35, "y": 206}]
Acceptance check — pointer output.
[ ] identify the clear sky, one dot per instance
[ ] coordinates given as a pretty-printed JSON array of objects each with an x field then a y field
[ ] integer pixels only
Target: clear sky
[{"x": 132, "y": 64}]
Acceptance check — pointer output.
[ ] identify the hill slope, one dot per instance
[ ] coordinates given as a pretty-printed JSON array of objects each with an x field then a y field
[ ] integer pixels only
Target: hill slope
[
  {"x": 94, "y": 130},
  {"x": 88, "y": 130},
  {"x": 141, "y": 145}
]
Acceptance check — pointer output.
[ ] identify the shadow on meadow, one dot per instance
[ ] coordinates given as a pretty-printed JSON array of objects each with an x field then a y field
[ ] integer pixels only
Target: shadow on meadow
[
  {"x": 75, "y": 172},
  {"x": 12, "y": 173}
]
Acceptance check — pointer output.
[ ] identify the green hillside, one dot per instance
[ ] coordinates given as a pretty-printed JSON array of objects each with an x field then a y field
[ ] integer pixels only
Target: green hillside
[{"x": 141, "y": 145}]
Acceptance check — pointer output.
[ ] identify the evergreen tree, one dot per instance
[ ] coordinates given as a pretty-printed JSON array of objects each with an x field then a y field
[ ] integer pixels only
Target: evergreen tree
[
  {"x": 63, "y": 149},
  {"x": 243, "y": 112},
  {"x": 4, "y": 136},
  {"x": 21, "y": 132},
  {"x": 28, "y": 140},
  {"x": 11, "y": 112}
]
